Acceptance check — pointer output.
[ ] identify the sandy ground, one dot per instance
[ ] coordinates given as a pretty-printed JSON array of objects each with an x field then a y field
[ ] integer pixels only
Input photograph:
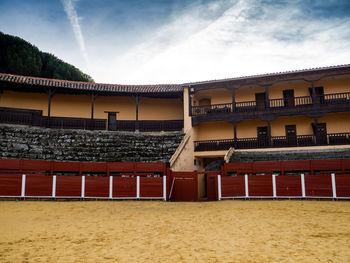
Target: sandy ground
[{"x": 155, "y": 231}]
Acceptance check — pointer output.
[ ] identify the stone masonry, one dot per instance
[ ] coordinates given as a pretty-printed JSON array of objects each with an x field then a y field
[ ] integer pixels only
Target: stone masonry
[{"x": 22, "y": 142}]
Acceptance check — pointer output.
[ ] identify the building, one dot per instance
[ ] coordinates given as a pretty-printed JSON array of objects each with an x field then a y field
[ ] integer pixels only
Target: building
[{"x": 304, "y": 109}]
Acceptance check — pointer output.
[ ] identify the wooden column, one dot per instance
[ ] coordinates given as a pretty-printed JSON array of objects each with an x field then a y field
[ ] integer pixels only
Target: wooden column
[
  {"x": 316, "y": 131},
  {"x": 137, "y": 113},
  {"x": 235, "y": 133},
  {"x": 267, "y": 97},
  {"x": 190, "y": 100},
  {"x": 313, "y": 93},
  {"x": 92, "y": 111},
  {"x": 51, "y": 93},
  {"x": 269, "y": 133},
  {"x": 233, "y": 100}
]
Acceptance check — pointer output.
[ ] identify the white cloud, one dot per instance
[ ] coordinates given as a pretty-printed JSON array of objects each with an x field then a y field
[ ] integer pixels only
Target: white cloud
[
  {"x": 74, "y": 20},
  {"x": 246, "y": 38}
]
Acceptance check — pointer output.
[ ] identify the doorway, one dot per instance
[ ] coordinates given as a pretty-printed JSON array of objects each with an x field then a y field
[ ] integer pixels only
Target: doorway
[
  {"x": 321, "y": 134},
  {"x": 291, "y": 134},
  {"x": 319, "y": 94},
  {"x": 260, "y": 99},
  {"x": 262, "y": 136},
  {"x": 112, "y": 121},
  {"x": 288, "y": 98}
]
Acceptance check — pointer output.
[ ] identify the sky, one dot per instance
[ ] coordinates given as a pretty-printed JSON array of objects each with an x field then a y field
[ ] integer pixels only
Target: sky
[{"x": 180, "y": 41}]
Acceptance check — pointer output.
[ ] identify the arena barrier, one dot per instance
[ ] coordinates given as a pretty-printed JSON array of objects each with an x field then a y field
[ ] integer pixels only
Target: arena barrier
[
  {"x": 336, "y": 186},
  {"x": 111, "y": 187}
]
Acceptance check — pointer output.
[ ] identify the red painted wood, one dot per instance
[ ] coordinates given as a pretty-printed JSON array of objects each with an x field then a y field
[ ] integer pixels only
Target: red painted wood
[
  {"x": 342, "y": 183},
  {"x": 212, "y": 187},
  {"x": 260, "y": 185},
  {"x": 318, "y": 185},
  {"x": 185, "y": 186},
  {"x": 121, "y": 167},
  {"x": 324, "y": 165},
  {"x": 10, "y": 185},
  {"x": 295, "y": 165},
  {"x": 38, "y": 185},
  {"x": 232, "y": 186},
  {"x": 124, "y": 186},
  {"x": 69, "y": 186},
  {"x": 96, "y": 186},
  {"x": 151, "y": 187},
  {"x": 10, "y": 164},
  {"x": 346, "y": 164},
  {"x": 94, "y": 167},
  {"x": 239, "y": 166},
  {"x": 38, "y": 165},
  {"x": 66, "y": 166},
  {"x": 150, "y": 167},
  {"x": 288, "y": 185},
  {"x": 266, "y": 167}
]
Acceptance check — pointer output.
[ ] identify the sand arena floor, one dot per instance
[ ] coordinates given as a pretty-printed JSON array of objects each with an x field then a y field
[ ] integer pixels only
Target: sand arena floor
[{"x": 155, "y": 231}]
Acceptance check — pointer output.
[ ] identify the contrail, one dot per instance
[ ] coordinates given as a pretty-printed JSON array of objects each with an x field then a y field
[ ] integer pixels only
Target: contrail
[{"x": 74, "y": 20}]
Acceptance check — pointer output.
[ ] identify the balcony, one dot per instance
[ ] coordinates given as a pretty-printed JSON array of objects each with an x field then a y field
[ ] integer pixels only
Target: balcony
[
  {"x": 283, "y": 106},
  {"x": 273, "y": 142}
]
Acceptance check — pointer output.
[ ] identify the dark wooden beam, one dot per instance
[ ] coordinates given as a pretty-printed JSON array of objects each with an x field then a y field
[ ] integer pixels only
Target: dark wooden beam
[
  {"x": 313, "y": 92},
  {"x": 190, "y": 100},
  {"x": 235, "y": 133},
  {"x": 92, "y": 105},
  {"x": 51, "y": 92},
  {"x": 233, "y": 100},
  {"x": 267, "y": 97},
  {"x": 137, "y": 113},
  {"x": 269, "y": 132},
  {"x": 316, "y": 131}
]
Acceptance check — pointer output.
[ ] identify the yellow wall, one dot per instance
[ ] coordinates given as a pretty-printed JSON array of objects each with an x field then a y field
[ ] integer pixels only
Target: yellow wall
[
  {"x": 215, "y": 131},
  {"x": 300, "y": 89},
  {"x": 126, "y": 106},
  {"x": 21, "y": 100},
  {"x": 247, "y": 94},
  {"x": 336, "y": 122},
  {"x": 303, "y": 125},
  {"x": 248, "y": 128},
  {"x": 78, "y": 106},
  {"x": 160, "y": 109},
  {"x": 216, "y": 97},
  {"x": 335, "y": 85}
]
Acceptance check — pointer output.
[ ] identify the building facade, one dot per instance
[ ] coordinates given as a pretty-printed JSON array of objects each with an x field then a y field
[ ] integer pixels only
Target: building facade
[{"x": 306, "y": 109}]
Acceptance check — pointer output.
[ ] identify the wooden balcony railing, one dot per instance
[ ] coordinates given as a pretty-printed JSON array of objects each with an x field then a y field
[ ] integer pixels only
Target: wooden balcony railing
[
  {"x": 282, "y": 104},
  {"x": 35, "y": 118},
  {"x": 273, "y": 142}
]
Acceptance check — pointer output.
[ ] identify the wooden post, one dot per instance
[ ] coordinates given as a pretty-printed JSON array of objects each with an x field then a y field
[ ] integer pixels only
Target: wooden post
[
  {"x": 51, "y": 92},
  {"x": 233, "y": 100},
  {"x": 137, "y": 113},
  {"x": 313, "y": 93},
  {"x": 235, "y": 133},
  {"x": 92, "y": 111},
  {"x": 190, "y": 100},
  {"x": 269, "y": 133},
  {"x": 316, "y": 131},
  {"x": 267, "y": 98}
]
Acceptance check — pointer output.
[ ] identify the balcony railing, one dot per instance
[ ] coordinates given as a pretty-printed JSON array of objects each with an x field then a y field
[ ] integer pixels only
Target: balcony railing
[
  {"x": 296, "y": 103},
  {"x": 273, "y": 142}
]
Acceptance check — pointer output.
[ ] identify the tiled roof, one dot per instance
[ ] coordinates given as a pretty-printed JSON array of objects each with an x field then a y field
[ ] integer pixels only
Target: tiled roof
[
  {"x": 340, "y": 69},
  {"x": 88, "y": 86}
]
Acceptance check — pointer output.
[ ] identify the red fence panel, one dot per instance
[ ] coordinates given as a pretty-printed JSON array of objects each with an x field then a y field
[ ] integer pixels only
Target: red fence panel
[
  {"x": 342, "y": 183},
  {"x": 288, "y": 185},
  {"x": 241, "y": 167},
  {"x": 151, "y": 187},
  {"x": 185, "y": 186},
  {"x": 94, "y": 167},
  {"x": 121, "y": 167},
  {"x": 66, "y": 166},
  {"x": 36, "y": 165},
  {"x": 10, "y": 185},
  {"x": 232, "y": 186},
  {"x": 266, "y": 167},
  {"x": 150, "y": 167},
  {"x": 10, "y": 164},
  {"x": 295, "y": 165},
  {"x": 124, "y": 186},
  {"x": 69, "y": 186},
  {"x": 96, "y": 186},
  {"x": 318, "y": 185},
  {"x": 38, "y": 185},
  {"x": 260, "y": 185},
  {"x": 212, "y": 185},
  {"x": 326, "y": 165}
]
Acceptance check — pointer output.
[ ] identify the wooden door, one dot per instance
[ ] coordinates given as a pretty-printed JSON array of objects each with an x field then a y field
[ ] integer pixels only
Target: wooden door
[
  {"x": 321, "y": 134},
  {"x": 319, "y": 94},
  {"x": 262, "y": 136},
  {"x": 260, "y": 99},
  {"x": 291, "y": 134},
  {"x": 288, "y": 97},
  {"x": 112, "y": 121}
]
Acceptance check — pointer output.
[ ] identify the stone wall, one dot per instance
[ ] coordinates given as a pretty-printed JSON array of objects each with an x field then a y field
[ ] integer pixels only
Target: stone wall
[
  {"x": 22, "y": 142},
  {"x": 311, "y": 154}
]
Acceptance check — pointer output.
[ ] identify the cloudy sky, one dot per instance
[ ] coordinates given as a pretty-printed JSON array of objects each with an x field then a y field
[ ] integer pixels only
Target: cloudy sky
[{"x": 177, "y": 41}]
